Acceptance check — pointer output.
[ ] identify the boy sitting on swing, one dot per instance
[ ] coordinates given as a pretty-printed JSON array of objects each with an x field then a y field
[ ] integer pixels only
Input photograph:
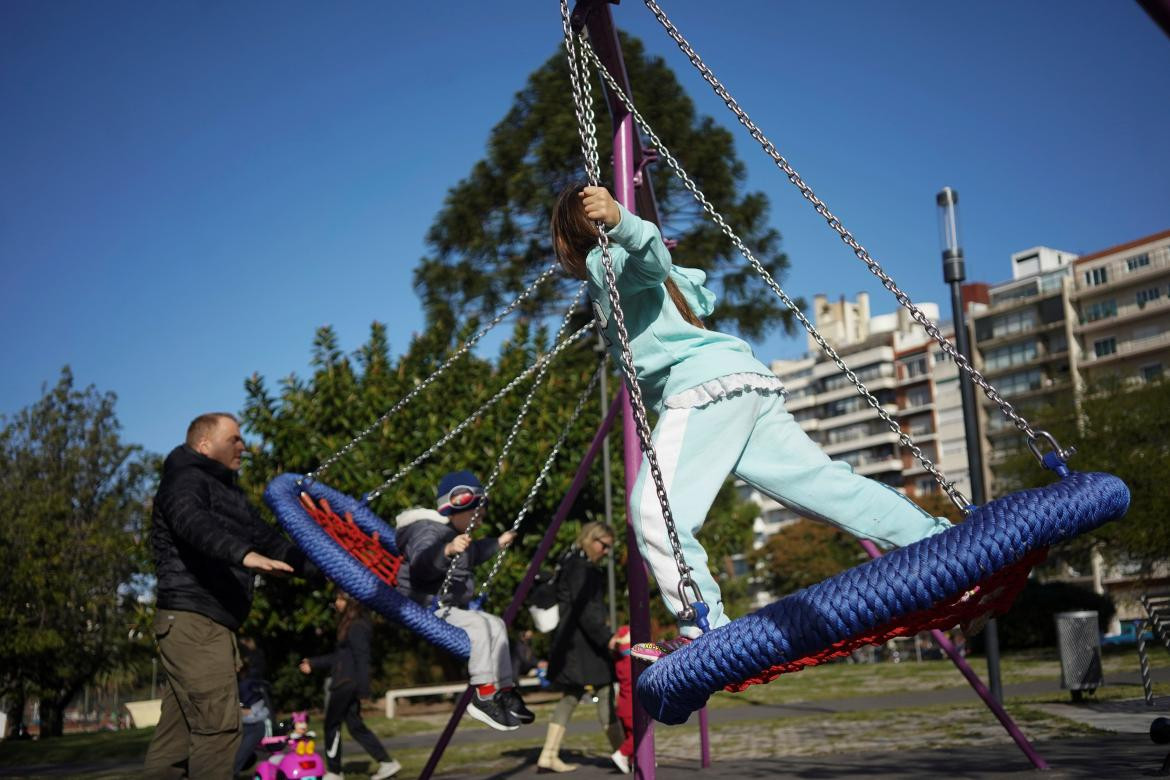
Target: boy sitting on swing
[{"x": 431, "y": 541}]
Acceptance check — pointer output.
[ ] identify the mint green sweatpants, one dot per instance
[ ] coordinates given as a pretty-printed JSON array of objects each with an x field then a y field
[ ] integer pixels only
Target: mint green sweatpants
[{"x": 753, "y": 436}]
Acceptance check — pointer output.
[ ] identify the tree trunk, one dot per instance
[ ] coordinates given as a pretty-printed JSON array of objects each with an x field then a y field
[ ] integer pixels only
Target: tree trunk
[{"x": 15, "y": 711}]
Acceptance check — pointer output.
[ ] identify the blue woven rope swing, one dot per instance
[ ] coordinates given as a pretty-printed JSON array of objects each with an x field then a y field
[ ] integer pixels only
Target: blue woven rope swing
[
  {"x": 339, "y": 564},
  {"x": 875, "y": 597}
]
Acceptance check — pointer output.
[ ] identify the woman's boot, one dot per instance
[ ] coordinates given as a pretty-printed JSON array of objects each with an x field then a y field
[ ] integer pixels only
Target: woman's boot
[{"x": 550, "y": 759}]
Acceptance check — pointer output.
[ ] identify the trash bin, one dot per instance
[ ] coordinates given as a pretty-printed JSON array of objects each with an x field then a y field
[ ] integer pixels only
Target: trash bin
[{"x": 1079, "y": 641}]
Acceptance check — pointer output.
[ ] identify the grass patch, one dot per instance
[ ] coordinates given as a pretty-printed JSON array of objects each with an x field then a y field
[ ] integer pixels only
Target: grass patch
[{"x": 76, "y": 748}]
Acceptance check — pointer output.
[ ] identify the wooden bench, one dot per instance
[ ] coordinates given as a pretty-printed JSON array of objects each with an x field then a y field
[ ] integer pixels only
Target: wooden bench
[{"x": 445, "y": 689}]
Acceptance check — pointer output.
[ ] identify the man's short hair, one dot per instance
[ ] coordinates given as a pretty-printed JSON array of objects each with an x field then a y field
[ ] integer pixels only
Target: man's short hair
[{"x": 204, "y": 424}]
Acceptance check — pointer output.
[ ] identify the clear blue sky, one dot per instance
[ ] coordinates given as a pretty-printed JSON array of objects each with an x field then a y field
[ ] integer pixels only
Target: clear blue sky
[{"x": 189, "y": 189}]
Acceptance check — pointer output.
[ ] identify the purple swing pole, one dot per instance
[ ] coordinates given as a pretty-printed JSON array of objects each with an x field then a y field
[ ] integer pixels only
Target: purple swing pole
[
  {"x": 984, "y": 692},
  {"x": 636, "y": 193},
  {"x": 538, "y": 558}
]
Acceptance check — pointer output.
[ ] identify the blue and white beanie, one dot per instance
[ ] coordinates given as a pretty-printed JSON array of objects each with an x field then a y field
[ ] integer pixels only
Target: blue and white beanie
[{"x": 449, "y": 504}]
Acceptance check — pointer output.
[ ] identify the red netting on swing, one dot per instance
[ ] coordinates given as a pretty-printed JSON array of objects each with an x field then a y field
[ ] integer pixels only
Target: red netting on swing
[
  {"x": 991, "y": 596},
  {"x": 367, "y": 550}
]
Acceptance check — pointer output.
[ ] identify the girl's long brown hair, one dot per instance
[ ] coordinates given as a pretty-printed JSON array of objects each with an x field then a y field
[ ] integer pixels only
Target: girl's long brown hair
[
  {"x": 352, "y": 612},
  {"x": 574, "y": 235}
]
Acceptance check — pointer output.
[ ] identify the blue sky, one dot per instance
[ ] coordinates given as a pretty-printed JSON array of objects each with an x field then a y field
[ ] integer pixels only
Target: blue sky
[{"x": 189, "y": 189}]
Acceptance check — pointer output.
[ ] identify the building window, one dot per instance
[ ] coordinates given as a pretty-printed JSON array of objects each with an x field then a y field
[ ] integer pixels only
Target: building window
[
  {"x": 925, "y": 485},
  {"x": 1151, "y": 373},
  {"x": 1137, "y": 261},
  {"x": 954, "y": 446},
  {"x": 1015, "y": 322},
  {"x": 1103, "y": 347},
  {"x": 1010, "y": 355},
  {"x": 1101, "y": 310},
  {"x": 919, "y": 396},
  {"x": 1021, "y": 382},
  {"x": 1145, "y": 296},
  {"x": 1096, "y": 276},
  {"x": 915, "y": 366}
]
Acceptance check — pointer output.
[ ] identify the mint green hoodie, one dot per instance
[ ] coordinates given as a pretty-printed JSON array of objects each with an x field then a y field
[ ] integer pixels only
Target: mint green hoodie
[{"x": 670, "y": 354}]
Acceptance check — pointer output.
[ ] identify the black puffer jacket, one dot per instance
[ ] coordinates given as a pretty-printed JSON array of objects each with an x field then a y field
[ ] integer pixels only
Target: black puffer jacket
[
  {"x": 425, "y": 565},
  {"x": 202, "y": 526},
  {"x": 349, "y": 664},
  {"x": 580, "y": 655}
]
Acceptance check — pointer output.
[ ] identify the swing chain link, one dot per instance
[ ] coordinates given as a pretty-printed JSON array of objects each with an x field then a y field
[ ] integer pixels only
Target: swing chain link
[
  {"x": 530, "y": 499},
  {"x": 583, "y": 100},
  {"x": 517, "y": 424},
  {"x": 463, "y": 350},
  {"x": 948, "y": 486},
  {"x": 846, "y": 236},
  {"x": 369, "y": 497}
]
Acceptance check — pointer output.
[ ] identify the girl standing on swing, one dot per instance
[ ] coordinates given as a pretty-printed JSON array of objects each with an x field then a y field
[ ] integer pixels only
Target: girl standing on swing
[{"x": 720, "y": 410}]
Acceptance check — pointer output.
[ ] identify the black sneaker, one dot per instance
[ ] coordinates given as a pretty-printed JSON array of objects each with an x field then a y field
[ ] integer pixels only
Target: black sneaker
[
  {"x": 511, "y": 701},
  {"x": 492, "y": 713}
]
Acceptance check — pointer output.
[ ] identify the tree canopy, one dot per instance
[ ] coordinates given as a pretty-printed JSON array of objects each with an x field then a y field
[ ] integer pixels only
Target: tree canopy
[
  {"x": 1122, "y": 431},
  {"x": 74, "y": 500},
  {"x": 491, "y": 236}
]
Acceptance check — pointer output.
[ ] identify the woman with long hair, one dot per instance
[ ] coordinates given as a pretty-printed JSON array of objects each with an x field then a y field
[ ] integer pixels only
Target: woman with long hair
[
  {"x": 579, "y": 658},
  {"x": 349, "y": 683}
]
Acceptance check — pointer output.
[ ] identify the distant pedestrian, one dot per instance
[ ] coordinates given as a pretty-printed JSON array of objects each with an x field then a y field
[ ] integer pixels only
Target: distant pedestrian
[
  {"x": 579, "y": 658},
  {"x": 349, "y": 683}
]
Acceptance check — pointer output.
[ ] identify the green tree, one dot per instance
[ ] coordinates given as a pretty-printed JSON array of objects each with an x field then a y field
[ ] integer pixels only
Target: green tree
[
  {"x": 803, "y": 554},
  {"x": 492, "y": 233},
  {"x": 74, "y": 500},
  {"x": 1120, "y": 430}
]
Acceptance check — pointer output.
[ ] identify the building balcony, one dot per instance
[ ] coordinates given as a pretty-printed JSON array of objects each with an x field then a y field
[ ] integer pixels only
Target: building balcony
[
  {"x": 1060, "y": 356},
  {"x": 867, "y": 467},
  {"x": 872, "y": 385},
  {"x": 1127, "y": 349},
  {"x": 849, "y": 418},
  {"x": 917, "y": 409},
  {"x": 1131, "y": 312},
  {"x": 1019, "y": 335},
  {"x": 861, "y": 442},
  {"x": 1120, "y": 276}
]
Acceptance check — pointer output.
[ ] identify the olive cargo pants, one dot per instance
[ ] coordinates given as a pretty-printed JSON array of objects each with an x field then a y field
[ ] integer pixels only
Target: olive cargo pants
[{"x": 198, "y": 731}]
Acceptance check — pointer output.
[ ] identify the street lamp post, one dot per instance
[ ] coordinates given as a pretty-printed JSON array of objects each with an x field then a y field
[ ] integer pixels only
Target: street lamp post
[{"x": 954, "y": 273}]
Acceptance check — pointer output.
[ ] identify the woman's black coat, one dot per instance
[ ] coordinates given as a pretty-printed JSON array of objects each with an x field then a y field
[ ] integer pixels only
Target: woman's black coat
[{"x": 580, "y": 648}]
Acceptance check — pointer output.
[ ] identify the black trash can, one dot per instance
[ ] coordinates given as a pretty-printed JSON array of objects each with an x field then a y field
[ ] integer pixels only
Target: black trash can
[{"x": 1079, "y": 641}]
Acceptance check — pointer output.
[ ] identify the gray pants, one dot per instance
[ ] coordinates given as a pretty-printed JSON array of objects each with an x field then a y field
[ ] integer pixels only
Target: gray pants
[
  {"x": 198, "y": 732},
  {"x": 491, "y": 658},
  {"x": 605, "y": 711}
]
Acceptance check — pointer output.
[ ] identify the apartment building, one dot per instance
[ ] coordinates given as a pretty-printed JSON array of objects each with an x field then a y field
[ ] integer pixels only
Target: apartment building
[
  {"x": 1119, "y": 304},
  {"x": 909, "y": 377}
]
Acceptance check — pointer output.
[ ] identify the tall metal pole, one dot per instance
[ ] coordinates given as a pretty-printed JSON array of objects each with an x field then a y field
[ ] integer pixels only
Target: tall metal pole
[
  {"x": 605, "y": 468},
  {"x": 954, "y": 273}
]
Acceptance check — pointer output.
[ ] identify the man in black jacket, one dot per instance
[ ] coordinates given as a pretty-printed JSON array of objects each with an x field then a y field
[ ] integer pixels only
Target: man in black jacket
[{"x": 208, "y": 544}]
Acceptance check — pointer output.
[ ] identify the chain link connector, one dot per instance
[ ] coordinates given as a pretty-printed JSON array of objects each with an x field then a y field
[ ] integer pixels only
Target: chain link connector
[
  {"x": 1056, "y": 459},
  {"x": 695, "y": 611}
]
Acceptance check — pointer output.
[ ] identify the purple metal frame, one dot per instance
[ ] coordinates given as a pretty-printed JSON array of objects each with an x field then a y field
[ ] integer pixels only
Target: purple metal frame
[
  {"x": 984, "y": 692},
  {"x": 538, "y": 558}
]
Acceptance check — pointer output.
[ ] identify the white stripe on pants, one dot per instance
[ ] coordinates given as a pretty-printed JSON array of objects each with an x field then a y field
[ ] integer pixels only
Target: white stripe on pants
[
  {"x": 753, "y": 436},
  {"x": 491, "y": 658}
]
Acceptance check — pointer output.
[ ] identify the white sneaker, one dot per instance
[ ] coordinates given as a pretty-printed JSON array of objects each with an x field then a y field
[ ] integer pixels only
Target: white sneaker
[
  {"x": 332, "y": 776},
  {"x": 386, "y": 769},
  {"x": 622, "y": 761}
]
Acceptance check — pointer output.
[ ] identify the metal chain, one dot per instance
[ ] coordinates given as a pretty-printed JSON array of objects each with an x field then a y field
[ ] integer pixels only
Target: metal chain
[
  {"x": 530, "y": 499},
  {"x": 369, "y": 497},
  {"x": 583, "y": 99},
  {"x": 862, "y": 254},
  {"x": 320, "y": 470},
  {"x": 689, "y": 183},
  {"x": 517, "y": 424}
]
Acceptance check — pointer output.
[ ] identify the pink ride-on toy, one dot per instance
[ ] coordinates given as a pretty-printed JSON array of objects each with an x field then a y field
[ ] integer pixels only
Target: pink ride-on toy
[{"x": 294, "y": 755}]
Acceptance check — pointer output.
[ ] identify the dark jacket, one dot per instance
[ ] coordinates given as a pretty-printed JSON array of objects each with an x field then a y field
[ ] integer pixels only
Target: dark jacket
[
  {"x": 425, "y": 565},
  {"x": 349, "y": 664},
  {"x": 579, "y": 654},
  {"x": 202, "y": 526}
]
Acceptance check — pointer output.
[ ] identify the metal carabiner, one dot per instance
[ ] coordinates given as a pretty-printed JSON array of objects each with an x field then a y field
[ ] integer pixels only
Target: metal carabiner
[
  {"x": 695, "y": 611},
  {"x": 1054, "y": 460}
]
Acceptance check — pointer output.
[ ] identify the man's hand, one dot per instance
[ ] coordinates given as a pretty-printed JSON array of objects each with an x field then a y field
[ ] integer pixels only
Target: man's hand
[
  {"x": 506, "y": 538},
  {"x": 600, "y": 206},
  {"x": 304, "y": 666},
  {"x": 257, "y": 562},
  {"x": 457, "y": 545}
]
